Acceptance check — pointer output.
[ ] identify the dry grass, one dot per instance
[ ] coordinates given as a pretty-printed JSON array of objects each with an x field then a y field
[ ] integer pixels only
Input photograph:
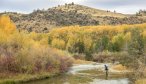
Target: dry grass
[
  {"x": 141, "y": 81},
  {"x": 119, "y": 67},
  {"x": 82, "y": 62},
  {"x": 92, "y": 11}
]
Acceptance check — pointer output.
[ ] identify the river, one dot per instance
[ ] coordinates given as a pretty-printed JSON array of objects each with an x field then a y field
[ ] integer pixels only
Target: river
[{"x": 87, "y": 74}]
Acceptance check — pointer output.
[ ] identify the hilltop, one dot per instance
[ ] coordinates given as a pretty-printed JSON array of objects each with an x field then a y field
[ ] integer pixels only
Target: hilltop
[
  {"x": 88, "y": 10},
  {"x": 68, "y": 15}
]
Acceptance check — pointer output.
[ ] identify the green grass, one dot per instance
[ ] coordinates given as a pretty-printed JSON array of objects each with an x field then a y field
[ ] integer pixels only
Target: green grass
[{"x": 22, "y": 78}]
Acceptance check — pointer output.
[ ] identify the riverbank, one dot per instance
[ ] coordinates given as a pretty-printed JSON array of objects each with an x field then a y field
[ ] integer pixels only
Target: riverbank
[
  {"x": 85, "y": 66},
  {"x": 86, "y": 74},
  {"x": 23, "y": 78}
]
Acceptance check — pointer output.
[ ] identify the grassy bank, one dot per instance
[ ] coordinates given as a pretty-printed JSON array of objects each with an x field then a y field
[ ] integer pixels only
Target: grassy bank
[
  {"x": 23, "y": 78},
  {"x": 140, "y": 81}
]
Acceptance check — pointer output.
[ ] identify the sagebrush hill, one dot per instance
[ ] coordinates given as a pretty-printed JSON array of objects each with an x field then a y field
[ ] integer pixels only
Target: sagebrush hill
[{"x": 71, "y": 14}]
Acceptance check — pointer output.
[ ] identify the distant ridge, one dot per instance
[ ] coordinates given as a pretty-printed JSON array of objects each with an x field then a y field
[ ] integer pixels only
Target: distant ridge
[{"x": 68, "y": 15}]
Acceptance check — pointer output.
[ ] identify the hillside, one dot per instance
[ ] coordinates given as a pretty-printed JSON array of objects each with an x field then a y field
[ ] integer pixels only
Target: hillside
[
  {"x": 68, "y": 15},
  {"x": 88, "y": 10}
]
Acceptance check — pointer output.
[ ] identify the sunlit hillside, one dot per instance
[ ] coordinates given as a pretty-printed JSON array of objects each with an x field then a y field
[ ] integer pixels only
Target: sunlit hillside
[
  {"x": 42, "y": 21},
  {"x": 88, "y": 10}
]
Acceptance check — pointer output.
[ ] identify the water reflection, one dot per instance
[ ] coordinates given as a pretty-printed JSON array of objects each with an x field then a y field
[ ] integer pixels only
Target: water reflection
[{"x": 86, "y": 78}]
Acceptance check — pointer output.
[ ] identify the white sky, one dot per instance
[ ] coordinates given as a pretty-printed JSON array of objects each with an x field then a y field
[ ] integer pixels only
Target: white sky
[{"x": 27, "y": 6}]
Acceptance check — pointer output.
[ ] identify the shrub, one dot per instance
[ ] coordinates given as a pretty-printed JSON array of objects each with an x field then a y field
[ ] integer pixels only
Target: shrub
[
  {"x": 109, "y": 56},
  {"x": 79, "y": 56}
]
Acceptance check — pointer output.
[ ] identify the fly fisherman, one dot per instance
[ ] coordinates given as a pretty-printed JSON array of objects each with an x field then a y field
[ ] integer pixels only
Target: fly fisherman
[{"x": 106, "y": 70}]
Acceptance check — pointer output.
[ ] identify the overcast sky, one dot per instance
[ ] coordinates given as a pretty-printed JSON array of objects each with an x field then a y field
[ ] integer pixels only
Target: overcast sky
[{"x": 27, "y": 6}]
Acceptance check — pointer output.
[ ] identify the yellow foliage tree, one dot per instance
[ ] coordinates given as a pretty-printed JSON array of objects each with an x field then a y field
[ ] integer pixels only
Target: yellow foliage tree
[
  {"x": 94, "y": 38},
  {"x": 58, "y": 43},
  {"x": 6, "y": 24}
]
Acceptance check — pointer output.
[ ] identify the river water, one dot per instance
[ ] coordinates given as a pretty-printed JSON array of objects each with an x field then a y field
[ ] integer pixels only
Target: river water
[{"x": 87, "y": 74}]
